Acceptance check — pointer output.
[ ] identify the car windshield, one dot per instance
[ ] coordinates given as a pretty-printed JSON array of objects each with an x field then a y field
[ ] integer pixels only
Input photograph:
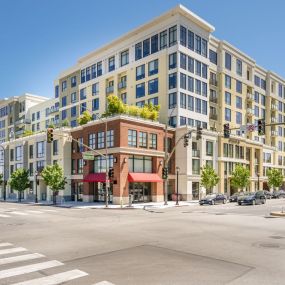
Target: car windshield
[
  {"x": 211, "y": 196},
  {"x": 248, "y": 194}
]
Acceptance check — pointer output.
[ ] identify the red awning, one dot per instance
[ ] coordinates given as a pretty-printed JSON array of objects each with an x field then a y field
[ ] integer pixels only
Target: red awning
[
  {"x": 95, "y": 177},
  {"x": 144, "y": 177}
]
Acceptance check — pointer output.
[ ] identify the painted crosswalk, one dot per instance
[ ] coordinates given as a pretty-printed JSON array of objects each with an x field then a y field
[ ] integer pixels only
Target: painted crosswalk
[
  {"x": 9, "y": 213},
  {"x": 16, "y": 259}
]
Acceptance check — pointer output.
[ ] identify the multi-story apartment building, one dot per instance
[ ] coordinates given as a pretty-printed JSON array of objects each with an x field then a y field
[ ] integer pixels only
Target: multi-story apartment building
[{"x": 198, "y": 80}]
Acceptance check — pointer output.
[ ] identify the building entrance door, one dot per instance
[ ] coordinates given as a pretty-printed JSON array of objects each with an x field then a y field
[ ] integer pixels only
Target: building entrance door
[{"x": 140, "y": 191}]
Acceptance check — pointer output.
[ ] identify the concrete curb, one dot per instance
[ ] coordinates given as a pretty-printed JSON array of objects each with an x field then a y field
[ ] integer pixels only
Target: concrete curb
[{"x": 278, "y": 214}]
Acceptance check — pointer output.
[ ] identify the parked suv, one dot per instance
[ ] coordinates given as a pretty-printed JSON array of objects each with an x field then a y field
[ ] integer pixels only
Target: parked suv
[
  {"x": 212, "y": 199},
  {"x": 278, "y": 194},
  {"x": 252, "y": 198}
]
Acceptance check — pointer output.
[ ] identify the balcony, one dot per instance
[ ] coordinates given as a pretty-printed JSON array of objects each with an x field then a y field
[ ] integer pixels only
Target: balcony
[
  {"x": 213, "y": 99},
  {"x": 249, "y": 97},
  {"x": 53, "y": 110},
  {"x": 195, "y": 153},
  {"x": 213, "y": 82},
  {"x": 19, "y": 132},
  {"x": 274, "y": 133},
  {"x": 249, "y": 112},
  {"x": 110, "y": 90},
  {"x": 273, "y": 119},
  {"x": 213, "y": 117},
  {"x": 122, "y": 84},
  {"x": 22, "y": 121},
  {"x": 274, "y": 107}
]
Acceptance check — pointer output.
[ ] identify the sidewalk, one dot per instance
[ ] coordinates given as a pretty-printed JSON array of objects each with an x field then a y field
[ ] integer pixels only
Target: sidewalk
[{"x": 100, "y": 205}]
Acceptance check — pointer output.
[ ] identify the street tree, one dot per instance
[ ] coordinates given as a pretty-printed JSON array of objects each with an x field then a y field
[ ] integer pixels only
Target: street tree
[
  {"x": 209, "y": 178},
  {"x": 240, "y": 177},
  {"x": 19, "y": 181},
  {"x": 275, "y": 178},
  {"x": 54, "y": 178}
]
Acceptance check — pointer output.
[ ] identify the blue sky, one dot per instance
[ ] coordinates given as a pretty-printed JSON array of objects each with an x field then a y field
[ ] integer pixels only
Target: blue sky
[{"x": 40, "y": 38}]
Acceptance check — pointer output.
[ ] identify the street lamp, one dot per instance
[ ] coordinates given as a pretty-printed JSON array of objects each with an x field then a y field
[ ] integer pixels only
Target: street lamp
[
  {"x": 4, "y": 173},
  {"x": 177, "y": 173},
  {"x": 258, "y": 181},
  {"x": 36, "y": 196}
]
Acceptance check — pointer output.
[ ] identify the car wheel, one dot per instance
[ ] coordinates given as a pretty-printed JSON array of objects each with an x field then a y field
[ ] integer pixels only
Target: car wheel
[
  {"x": 225, "y": 201},
  {"x": 239, "y": 203},
  {"x": 253, "y": 202},
  {"x": 213, "y": 202}
]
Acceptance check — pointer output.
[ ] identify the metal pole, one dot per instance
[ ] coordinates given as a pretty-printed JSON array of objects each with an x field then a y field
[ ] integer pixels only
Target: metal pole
[
  {"x": 4, "y": 174},
  {"x": 36, "y": 197},
  {"x": 177, "y": 173},
  {"x": 257, "y": 181},
  {"x": 166, "y": 164},
  {"x": 107, "y": 184}
]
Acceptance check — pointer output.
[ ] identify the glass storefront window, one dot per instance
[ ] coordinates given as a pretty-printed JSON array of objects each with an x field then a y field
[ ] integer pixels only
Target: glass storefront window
[{"x": 140, "y": 164}]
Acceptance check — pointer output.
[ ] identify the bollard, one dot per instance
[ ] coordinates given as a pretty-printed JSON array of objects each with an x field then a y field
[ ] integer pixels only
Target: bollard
[{"x": 121, "y": 203}]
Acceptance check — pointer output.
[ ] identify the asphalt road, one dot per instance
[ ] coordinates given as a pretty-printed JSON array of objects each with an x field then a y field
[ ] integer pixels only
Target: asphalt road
[{"x": 221, "y": 244}]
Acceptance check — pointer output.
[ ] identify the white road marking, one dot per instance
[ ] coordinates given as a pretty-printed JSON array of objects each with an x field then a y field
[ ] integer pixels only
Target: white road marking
[
  {"x": 4, "y": 216},
  {"x": 12, "y": 250},
  {"x": 5, "y": 244},
  {"x": 104, "y": 283},
  {"x": 18, "y": 213},
  {"x": 55, "y": 279},
  {"x": 49, "y": 210},
  {"x": 19, "y": 258},
  {"x": 35, "y": 212},
  {"x": 28, "y": 269}
]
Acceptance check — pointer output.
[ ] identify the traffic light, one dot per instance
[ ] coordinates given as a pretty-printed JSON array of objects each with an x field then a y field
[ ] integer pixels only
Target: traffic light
[
  {"x": 261, "y": 127},
  {"x": 199, "y": 133},
  {"x": 186, "y": 140},
  {"x": 111, "y": 173},
  {"x": 49, "y": 135},
  {"x": 164, "y": 172},
  {"x": 227, "y": 131}
]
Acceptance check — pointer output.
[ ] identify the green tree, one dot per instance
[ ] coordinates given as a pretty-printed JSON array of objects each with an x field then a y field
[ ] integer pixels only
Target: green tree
[
  {"x": 209, "y": 178},
  {"x": 65, "y": 123},
  {"x": 275, "y": 178},
  {"x": 240, "y": 177},
  {"x": 84, "y": 118},
  {"x": 27, "y": 133},
  {"x": 19, "y": 181},
  {"x": 51, "y": 126},
  {"x": 53, "y": 177}
]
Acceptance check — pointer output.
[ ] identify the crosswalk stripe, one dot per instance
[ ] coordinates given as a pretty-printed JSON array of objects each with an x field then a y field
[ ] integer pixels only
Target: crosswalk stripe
[
  {"x": 49, "y": 210},
  {"x": 18, "y": 213},
  {"x": 19, "y": 258},
  {"x": 28, "y": 269},
  {"x": 55, "y": 279},
  {"x": 35, "y": 212},
  {"x": 5, "y": 244},
  {"x": 4, "y": 216},
  {"x": 104, "y": 283},
  {"x": 12, "y": 250}
]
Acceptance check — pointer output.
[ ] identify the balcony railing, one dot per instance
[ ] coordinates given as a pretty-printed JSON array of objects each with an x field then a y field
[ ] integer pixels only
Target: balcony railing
[
  {"x": 213, "y": 117},
  {"x": 274, "y": 133},
  {"x": 110, "y": 89},
  {"x": 249, "y": 111},
  {"x": 122, "y": 84},
  {"x": 195, "y": 152},
  {"x": 250, "y": 97},
  {"x": 274, "y": 107},
  {"x": 53, "y": 110},
  {"x": 273, "y": 120},
  {"x": 213, "y": 82},
  {"x": 213, "y": 99}
]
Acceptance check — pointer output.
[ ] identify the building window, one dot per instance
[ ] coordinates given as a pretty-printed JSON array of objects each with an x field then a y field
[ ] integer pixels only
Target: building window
[
  {"x": 140, "y": 90},
  {"x": 209, "y": 148},
  {"x": 63, "y": 101},
  {"x": 101, "y": 139},
  {"x": 172, "y": 60},
  {"x": 55, "y": 147},
  {"x": 198, "y": 44},
  {"x": 190, "y": 84},
  {"x": 172, "y": 100},
  {"x": 82, "y": 107},
  {"x": 183, "y": 100},
  {"x": 95, "y": 89},
  {"x": 239, "y": 67},
  {"x": 99, "y": 68},
  {"x": 183, "y": 81},
  {"x": 228, "y": 98},
  {"x": 238, "y": 118},
  {"x": 238, "y": 86},
  {"x": 204, "y": 71},
  {"x": 140, "y": 104},
  {"x": 204, "y": 50},
  {"x": 195, "y": 166},
  {"x": 238, "y": 102},
  {"x": 154, "y": 44},
  {"x": 198, "y": 69},
  {"x": 124, "y": 98},
  {"x": 140, "y": 72},
  {"x": 63, "y": 85},
  {"x": 100, "y": 163},
  {"x": 183, "y": 61},
  {"x": 132, "y": 138},
  {"x": 173, "y": 121},
  {"x": 73, "y": 123},
  {"x": 163, "y": 39},
  {"x": 73, "y": 97},
  {"x": 95, "y": 104},
  {"x": 111, "y": 63},
  {"x": 204, "y": 89},
  {"x": 80, "y": 166},
  {"x": 153, "y": 67},
  {"x": 141, "y": 164},
  {"x": 172, "y": 35},
  {"x": 228, "y": 82},
  {"x": 93, "y": 71},
  {"x": 73, "y": 81},
  {"x": 88, "y": 73},
  {"x": 56, "y": 91},
  {"x": 110, "y": 138},
  {"x": 31, "y": 152},
  {"x": 92, "y": 140},
  {"x": 143, "y": 139},
  {"x": 228, "y": 61},
  {"x": 40, "y": 149},
  {"x": 213, "y": 57},
  {"x": 190, "y": 103},
  {"x": 172, "y": 80},
  {"x": 124, "y": 57},
  {"x": 83, "y": 94},
  {"x": 183, "y": 36},
  {"x": 146, "y": 47},
  {"x": 191, "y": 40},
  {"x": 138, "y": 51},
  {"x": 63, "y": 114},
  {"x": 153, "y": 141},
  {"x": 198, "y": 88},
  {"x": 228, "y": 114},
  {"x": 198, "y": 108},
  {"x": 204, "y": 107},
  {"x": 153, "y": 101}
]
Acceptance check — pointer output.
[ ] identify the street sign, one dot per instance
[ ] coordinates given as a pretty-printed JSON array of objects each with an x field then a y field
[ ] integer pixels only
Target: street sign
[{"x": 88, "y": 156}]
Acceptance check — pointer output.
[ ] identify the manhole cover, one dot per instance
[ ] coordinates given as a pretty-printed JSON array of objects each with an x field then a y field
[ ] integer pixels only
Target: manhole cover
[
  {"x": 277, "y": 237},
  {"x": 269, "y": 245}
]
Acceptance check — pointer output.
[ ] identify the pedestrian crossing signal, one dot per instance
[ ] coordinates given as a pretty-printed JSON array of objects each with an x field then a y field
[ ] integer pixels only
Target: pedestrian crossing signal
[
  {"x": 227, "y": 131},
  {"x": 49, "y": 135}
]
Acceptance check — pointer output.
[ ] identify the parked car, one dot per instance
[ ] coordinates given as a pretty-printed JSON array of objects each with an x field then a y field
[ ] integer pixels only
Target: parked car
[
  {"x": 267, "y": 194},
  {"x": 278, "y": 194},
  {"x": 234, "y": 197},
  {"x": 212, "y": 199},
  {"x": 252, "y": 198}
]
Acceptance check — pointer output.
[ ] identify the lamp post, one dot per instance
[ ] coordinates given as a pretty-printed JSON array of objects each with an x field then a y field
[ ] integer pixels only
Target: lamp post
[
  {"x": 4, "y": 173},
  {"x": 36, "y": 196},
  {"x": 257, "y": 181},
  {"x": 177, "y": 192}
]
